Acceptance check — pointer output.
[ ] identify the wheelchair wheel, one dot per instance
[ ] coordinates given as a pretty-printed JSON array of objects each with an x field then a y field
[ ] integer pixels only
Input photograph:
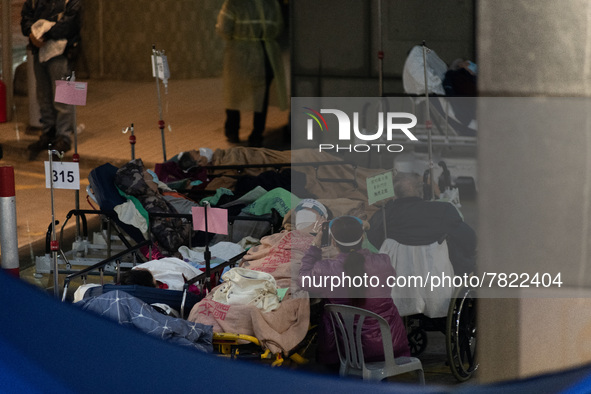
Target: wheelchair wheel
[
  {"x": 461, "y": 334},
  {"x": 417, "y": 341}
]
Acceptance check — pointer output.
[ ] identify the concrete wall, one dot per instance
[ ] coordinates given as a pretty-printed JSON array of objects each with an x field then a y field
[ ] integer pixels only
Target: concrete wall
[
  {"x": 118, "y": 37},
  {"x": 535, "y": 181},
  {"x": 335, "y": 42}
]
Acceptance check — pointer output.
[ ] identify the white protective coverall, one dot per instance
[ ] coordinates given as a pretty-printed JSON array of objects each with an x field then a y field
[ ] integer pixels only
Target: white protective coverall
[{"x": 244, "y": 24}]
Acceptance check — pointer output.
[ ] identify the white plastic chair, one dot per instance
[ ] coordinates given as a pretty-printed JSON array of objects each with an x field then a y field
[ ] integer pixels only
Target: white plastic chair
[{"x": 347, "y": 322}]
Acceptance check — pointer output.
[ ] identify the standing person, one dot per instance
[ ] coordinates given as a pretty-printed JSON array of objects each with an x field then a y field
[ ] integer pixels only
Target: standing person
[
  {"x": 252, "y": 59},
  {"x": 48, "y": 23}
]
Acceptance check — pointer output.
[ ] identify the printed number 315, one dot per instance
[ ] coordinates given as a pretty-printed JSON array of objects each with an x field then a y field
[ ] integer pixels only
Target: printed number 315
[{"x": 63, "y": 176}]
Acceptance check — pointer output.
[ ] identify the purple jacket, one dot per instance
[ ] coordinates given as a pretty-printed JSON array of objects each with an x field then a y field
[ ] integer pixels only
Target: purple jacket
[{"x": 377, "y": 299}]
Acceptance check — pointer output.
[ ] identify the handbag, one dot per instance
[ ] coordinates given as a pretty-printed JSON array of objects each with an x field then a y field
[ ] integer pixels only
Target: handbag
[{"x": 243, "y": 286}]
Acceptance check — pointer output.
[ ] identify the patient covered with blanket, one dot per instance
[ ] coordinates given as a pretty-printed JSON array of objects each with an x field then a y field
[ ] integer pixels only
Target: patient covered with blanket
[
  {"x": 132, "y": 312},
  {"x": 279, "y": 255}
]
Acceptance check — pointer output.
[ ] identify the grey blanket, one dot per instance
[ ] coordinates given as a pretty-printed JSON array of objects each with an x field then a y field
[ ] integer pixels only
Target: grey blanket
[{"x": 131, "y": 311}]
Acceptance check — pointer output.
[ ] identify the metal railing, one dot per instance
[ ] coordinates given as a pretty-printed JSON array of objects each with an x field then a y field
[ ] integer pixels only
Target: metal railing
[{"x": 100, "y": 266}]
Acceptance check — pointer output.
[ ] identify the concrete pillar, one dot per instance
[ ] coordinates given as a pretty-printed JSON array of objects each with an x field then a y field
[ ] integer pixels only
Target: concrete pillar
[
  {"x": 534, "y": 181},
  {"x": 7, "y": 57},
  {"x": 8, "y": 227}
]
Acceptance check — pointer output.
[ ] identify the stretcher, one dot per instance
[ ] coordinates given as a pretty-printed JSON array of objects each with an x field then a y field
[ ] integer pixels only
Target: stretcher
[
  {"x": 447, "y": 126},
  {"x": 179, "y": 300}
]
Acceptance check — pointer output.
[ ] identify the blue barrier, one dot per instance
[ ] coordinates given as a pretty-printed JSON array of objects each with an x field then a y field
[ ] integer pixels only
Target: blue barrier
[{"x": 48, "y": 346}]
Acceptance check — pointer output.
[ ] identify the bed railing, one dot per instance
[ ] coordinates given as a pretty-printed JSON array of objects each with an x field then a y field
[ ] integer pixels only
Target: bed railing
[
  {"x": 279, "y": 166},
  {"x": 100, "y": 266},
  {"x": 202, "y": 278}
]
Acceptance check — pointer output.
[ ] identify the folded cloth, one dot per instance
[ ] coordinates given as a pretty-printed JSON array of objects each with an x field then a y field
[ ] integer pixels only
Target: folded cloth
[
  {"x": 129, "y": 214},
  {"x": 222, "y": 250}
]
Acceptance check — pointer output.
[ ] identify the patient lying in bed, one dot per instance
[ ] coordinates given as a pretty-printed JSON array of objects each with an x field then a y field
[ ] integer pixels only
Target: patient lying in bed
[
  {"x": 284, "y": 328},
  {"x": 131, "y": 311}
]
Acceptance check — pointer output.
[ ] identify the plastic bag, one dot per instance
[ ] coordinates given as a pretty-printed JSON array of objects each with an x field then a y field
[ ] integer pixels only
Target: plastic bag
[{"x": 245, "y": 287}]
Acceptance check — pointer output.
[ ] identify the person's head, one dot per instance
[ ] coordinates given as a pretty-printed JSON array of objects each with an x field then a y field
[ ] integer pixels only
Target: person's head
[
  {"x": 138, "y": 276},
  {"x": 408, "y": 185},
  {"x": 205, "y": 156},
  {"x": 458, "y": 63},
  {"x": 309, "y": 215},
  {"x": 195, "y": 158},
  {"x": 347, "y": 233},
  {"x": 467, "y": 65}
]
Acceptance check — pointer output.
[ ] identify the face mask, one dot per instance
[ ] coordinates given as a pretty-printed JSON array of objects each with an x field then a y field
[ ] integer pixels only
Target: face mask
[
  {"x": 473, "y": 67},
  {"x": 308, "y": 219}
]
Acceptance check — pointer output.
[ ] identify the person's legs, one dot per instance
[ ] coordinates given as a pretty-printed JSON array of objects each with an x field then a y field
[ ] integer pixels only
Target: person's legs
[
  {"x": 57, "y": 119},
  {"x": 45, "y": 101},
  {"x": 65, "y": 116},
  {"x": 260, "y": 118},
  {"x": 232, "y": 125}
]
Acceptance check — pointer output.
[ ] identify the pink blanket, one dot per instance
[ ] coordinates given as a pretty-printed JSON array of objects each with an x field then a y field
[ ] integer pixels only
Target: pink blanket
[{"x": 280, "y": 330}]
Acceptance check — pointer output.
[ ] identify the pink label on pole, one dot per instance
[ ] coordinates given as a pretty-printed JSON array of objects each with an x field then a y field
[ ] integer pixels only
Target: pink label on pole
[
  {"x": 73, "y": 93},
  {"x": 217, "y": 220}
]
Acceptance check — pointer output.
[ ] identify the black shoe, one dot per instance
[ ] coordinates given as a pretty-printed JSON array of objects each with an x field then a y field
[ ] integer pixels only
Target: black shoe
[
  {"x": 255, "y": 141},
  {"x": 61, "y": 144},
  {"x": 233, "y": 139},
  {"x": 37, "y": 147},
  {"x": 232, "y": 136}
]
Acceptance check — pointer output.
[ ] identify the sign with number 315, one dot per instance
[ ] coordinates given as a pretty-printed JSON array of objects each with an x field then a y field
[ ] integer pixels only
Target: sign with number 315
[{"x": 65, "y": 175}]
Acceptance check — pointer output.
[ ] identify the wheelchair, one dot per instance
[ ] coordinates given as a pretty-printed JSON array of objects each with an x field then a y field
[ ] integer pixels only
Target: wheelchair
[
  {"x": 459, "y": 328},
  {"x": 449, "y": 309}
]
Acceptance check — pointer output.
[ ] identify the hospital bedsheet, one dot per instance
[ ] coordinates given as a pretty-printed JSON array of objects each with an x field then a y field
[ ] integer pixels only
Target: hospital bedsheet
[{"x": 133, "y": 312}]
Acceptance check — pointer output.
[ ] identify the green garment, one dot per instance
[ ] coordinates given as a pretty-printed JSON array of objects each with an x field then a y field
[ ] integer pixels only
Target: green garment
[
  {"x": 213, "y": 200},
  {"x": 278, "y": 199},
  {"x": 138, "y": 206},
  {"x": 249, "y": 28}
]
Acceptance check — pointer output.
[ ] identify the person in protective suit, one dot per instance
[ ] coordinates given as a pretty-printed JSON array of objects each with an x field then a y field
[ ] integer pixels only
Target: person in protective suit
[{"x": 252, "y": 59}]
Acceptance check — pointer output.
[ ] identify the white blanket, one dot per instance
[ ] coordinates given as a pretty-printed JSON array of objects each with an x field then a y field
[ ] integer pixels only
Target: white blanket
[
  {"x": 429, "y": 262},
  {"x": 171, "y": 271}
]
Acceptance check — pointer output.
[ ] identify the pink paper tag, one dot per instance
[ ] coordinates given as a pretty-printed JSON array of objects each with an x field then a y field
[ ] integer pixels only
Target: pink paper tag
[
  {"x": 217, "y": 220},
  {"x": 73, "y": 93}
]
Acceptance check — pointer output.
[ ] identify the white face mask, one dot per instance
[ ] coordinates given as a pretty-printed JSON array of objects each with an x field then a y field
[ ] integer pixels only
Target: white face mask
[{"x": 307, "y": 219}]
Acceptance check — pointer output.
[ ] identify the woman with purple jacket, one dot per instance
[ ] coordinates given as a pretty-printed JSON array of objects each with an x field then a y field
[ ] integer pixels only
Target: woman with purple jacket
[{"x": 354, "y": 277}]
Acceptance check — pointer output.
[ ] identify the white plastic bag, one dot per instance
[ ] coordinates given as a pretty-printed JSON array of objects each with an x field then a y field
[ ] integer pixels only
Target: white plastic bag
[
  {"x": 413, "y": 75},
  {"x": 52, "y": 48},
  {"x": 245, "y": 287}
]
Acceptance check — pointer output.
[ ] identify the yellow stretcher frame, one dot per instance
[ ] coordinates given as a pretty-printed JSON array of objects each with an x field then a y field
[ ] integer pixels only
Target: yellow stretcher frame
[{"x": 227, "y": 344}]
